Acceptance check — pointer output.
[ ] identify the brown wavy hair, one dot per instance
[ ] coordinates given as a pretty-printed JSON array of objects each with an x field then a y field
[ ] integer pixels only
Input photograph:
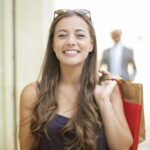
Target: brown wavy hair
[{"x": 86, "y": 122}]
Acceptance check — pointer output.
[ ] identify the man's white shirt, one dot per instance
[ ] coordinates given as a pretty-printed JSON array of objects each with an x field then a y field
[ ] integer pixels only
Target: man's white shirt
[{"x": 115, "y": 58}]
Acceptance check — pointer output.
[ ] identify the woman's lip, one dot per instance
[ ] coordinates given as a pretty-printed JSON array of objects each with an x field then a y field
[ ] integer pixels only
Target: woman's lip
[{"x": 71, "y": 51}]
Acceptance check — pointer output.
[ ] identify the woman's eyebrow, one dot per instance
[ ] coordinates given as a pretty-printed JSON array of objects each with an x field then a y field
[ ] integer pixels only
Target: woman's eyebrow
[
  {"x": 61, "y": 30},
  {"x": 80, "y": 30},
  {"x": 66, "y": 31}
]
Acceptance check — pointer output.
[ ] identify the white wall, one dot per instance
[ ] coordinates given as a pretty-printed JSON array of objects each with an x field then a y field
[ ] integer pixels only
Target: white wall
[
  {"x": 8, "y": 99},
  {"x": 29, "y": 44},
  {"x": 1, "y": 78}
]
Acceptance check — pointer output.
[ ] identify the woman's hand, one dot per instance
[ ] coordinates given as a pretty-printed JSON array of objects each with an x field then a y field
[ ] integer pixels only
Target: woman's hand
[
  {"x": 105, "y": 75},
  {"x": 109, "y": 101},
  {"x": 103, "y": 92}
]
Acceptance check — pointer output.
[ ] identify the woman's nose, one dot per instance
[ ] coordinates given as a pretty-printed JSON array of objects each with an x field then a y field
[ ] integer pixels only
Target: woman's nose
[{"x": 71, "y": 40}]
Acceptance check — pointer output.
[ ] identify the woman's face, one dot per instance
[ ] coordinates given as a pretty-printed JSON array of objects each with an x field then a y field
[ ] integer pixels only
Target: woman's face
[{"x": 72, "y": 42}]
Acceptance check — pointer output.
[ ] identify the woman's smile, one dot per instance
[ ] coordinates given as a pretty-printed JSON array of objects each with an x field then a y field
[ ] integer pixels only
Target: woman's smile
[{"x": 71, "y": 52}]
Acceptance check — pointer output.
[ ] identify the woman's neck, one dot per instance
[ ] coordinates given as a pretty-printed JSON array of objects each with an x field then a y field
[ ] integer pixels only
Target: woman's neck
[
  {"x": 70, "y": 75},
  {"x": 68, "y": 89}
]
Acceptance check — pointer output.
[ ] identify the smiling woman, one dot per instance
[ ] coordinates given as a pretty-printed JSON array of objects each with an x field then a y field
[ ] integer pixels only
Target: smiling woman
[
  {"x": 72, "y": 42},
  {"x": 31, "y": 28},
  {"x": 66, "y": 108}
]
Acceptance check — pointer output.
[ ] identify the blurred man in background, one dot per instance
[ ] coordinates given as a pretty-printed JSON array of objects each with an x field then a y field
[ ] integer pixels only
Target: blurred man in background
[{"x": 119, "y": 59}]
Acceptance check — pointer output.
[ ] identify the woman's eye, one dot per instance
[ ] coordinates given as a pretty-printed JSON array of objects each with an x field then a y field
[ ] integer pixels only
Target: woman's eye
[
  {"x": 62, "y": 35},
  {"x": 81, "y": 35}
]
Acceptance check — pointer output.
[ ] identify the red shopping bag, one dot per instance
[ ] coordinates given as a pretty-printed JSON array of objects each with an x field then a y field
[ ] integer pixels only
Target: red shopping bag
[{"x": 133, "y": 113}]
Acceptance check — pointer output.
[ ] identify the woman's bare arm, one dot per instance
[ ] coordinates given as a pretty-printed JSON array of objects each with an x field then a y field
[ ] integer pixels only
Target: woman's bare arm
[
  {"x": 27, "y": 99},
  {"x": 117, "y": 131}
]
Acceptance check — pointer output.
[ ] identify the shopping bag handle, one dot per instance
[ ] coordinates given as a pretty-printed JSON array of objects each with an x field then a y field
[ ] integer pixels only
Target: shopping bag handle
[{"x": 120, "y": 88}]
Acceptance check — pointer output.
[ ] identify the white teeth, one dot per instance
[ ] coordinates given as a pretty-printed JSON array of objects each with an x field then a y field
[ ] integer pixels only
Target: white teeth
[{"x": 71, "y": 52}]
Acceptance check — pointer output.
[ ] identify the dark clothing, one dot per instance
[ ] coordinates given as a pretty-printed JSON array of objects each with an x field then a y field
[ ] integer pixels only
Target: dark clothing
[
  {"x": 56, "y": 143},
  {"x": 126, "y": 60}
]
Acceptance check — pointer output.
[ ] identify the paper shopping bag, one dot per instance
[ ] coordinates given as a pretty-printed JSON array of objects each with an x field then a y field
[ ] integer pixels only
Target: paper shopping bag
[{"x": 133, "y": 92}]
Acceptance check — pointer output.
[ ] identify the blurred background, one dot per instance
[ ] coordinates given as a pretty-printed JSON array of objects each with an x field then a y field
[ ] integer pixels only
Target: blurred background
[{"x": 24, "y": 26}]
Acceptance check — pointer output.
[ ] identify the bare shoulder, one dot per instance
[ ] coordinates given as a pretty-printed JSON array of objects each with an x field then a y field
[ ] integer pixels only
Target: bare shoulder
[
  {"x": 28, "y": 97},
  {"x": 29, "y": 94}
]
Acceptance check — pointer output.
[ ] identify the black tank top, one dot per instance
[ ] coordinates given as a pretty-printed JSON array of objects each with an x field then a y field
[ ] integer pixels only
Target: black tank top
[{"x": 56, "y": 143}]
